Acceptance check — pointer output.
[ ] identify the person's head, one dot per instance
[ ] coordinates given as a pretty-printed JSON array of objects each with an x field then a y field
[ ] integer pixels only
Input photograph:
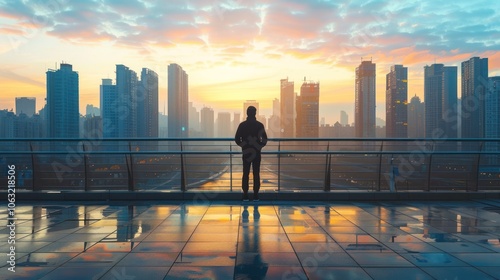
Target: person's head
[{"x": 251, "y": 111}]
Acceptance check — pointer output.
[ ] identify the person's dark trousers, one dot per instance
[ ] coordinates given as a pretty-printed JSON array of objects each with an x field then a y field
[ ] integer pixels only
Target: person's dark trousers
[{"x": 254, "y": 161}]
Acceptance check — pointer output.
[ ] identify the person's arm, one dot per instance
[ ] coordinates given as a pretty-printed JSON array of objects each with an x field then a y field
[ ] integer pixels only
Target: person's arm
[
  {"x": 237, "y": 136},
  {"x": 263, "y": 137}
]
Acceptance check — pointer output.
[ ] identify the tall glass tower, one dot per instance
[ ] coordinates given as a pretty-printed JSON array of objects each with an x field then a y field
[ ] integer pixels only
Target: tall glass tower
[
  {"x": 178, "y": 102},
  {"x": 474, "y": 87},
  {"x": 364, "y": 108},
  {"x": 63, "y": 113},
  {"x": 397, "y": 102}
]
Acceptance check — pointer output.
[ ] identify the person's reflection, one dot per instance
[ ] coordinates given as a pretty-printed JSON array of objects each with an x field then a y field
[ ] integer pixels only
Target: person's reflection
[{"x": 254, "y": 267}]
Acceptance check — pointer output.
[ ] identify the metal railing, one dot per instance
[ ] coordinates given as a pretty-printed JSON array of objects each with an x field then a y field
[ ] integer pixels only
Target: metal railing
[{"x": 215, "y": 164}]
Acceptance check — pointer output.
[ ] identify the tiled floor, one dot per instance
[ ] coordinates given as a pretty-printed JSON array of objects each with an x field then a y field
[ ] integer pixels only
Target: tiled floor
[{"x": 264, "y": 240}]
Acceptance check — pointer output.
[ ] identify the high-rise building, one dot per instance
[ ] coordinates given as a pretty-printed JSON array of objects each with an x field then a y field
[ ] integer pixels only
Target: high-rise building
[
  {"x": 126, "y": 89},
  {"x": 396, "y": 102},
  {"x": 25, "y": 105},
  {"x": 28, "y": 127},
  {"x": 147, "y": 104},
  {"x": 440, "y": 93},
  {"x": 109, "y": 109},
  {"x": 178, "y": 100},
  {"x": 224, "y": 125},
  {"x": 194, "y": 120},
  {"x": 91, "y": 110},
  {"x": 364, "y": 109},
  {"x": 492, "y": 118},
  {"x": 236, "y": 121},
  {"x": 287, "y": 108},
  {"x": 63, "y": 116},
  {"x": 308, "y": 110},
  {"x": 207, "y": 122},
  {"x": 7, "y": 124},
  {"x": 416, "y": 116},
  {"x": 492, "y": 108},
  {"x": 474, "y": 87},
  {"x": 344, "y": 118}
]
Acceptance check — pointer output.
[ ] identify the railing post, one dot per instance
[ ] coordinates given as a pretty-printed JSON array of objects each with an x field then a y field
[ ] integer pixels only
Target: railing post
[
  {"x": 326, "y": 185},
  {"x": 130, "y": 169},
  {"x": 85, "y": 169},
  {"x": 429, "y": 171},
  {"x": 183, "y": 178},
  {"x": 230, "y": 167},
  {"x": 380, "y": 167},
  {"x": 33, "y": 186},
  {"x": 279, "y": 165},
  {"x": 478, "y": 163}
]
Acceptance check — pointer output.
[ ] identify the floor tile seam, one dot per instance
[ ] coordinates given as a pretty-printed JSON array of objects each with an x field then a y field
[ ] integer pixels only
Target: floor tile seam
[
  {"x": 146, "y": 236},
  {"x": 237, "y": 243},
  {"x": 190, "y": 236},
  {"x": 288, "y": 238}
]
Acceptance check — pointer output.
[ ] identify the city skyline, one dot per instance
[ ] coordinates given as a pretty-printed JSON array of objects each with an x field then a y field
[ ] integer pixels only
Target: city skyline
[{"x": 242, "y": 49}]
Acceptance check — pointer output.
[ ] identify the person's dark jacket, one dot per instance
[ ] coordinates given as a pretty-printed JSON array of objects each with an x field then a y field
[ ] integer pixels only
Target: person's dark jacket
[{"x": 251, "y": 135}]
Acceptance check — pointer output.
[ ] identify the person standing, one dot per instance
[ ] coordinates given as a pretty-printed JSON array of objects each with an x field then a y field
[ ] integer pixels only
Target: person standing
[{"x": 251, "y": 137}]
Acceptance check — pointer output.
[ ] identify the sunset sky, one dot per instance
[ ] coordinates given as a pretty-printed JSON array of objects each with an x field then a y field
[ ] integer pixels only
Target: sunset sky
[{"x": 239, "y": 50}]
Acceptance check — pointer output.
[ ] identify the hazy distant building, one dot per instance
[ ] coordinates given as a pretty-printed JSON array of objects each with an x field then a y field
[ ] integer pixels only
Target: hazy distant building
[
  {"x": 147, "y": 104},
  {"x": 416, "y": 117},
  {"x": 194, "y": 120},
  {"x": 163, "y": 125},
  {"x": 344, "y": 118},
  {"x": 207, "y": 122},
  {"x": 63, "y": 115},
  {"x": 92, "y": 127},
  {"x": 178, "y": 100},
  {"x": 109, "y": 109},
  {"x": 474, "y": 87},
  {"x": 364, "y": 109},
  {"x": 396, "y": 102},
  {"x": 28, "y": 127},
  {"x": 25, "y": 105},
  {"x": 236, "y": 121},
  {"x": 307, "y": 105},
  {"x": 91, "y": 110},
  {"x": 224, "y": 128},
  {"x": 287, "y": 108},
  {"x": 7, "y": 124}
]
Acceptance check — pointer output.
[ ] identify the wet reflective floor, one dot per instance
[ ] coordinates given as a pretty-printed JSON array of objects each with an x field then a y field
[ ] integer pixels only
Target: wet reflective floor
[{"x": 248, "y": 240}]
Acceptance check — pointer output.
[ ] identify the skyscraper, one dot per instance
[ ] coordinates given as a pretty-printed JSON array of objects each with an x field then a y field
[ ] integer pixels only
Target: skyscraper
[
  {"x": 474, "y": 87},
  {"x": 207, "y": 122},
  {"x": 308, "y": 110},
  {"x": 396, "y": 102},
  {"x": 364, "y": 109},
  {"x": 63, "y": 114},
  {"x": 287, "y": 108},
  {"x": 344, "y": 118},
  {"x": 224, "y": 125},
  {"x": 492, "y": 108},
  {"x": 126, "y": 90},
  {"x": 440, "y": 93},
  {"x": 194, "y": 120},
  {"x": 178, "y": 99},
  {"x": 25, "y": 105},
  {"x": 147, "y": 104},
  {"x": 109, "y": 109},
  {"x": 416, "y": 117}
]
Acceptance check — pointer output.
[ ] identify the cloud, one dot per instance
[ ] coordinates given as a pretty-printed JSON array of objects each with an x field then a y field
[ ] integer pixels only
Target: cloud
[{"x": 330, "y": 31}]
